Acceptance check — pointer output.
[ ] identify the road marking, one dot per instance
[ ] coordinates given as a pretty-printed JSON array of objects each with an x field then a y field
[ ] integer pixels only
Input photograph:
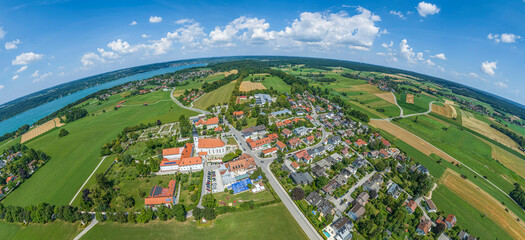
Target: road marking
[{"x": 79, "y": 190}]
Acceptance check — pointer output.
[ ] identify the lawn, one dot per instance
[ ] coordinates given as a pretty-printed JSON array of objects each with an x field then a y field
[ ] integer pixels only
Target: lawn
[
  {"x": 74, "y": 157},
  {"x": 228, "y": 198},
  {"x": 101, "y": 169},
  {"x": 269, "y": 222},
  {"x": 215, "y": 97},
  {"x": 467, "y": 216},
  {"x": 54, "y": 230}
]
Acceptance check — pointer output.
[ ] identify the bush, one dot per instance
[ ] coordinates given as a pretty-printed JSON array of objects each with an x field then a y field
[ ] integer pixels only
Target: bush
[{"x": 63, "y": 132}]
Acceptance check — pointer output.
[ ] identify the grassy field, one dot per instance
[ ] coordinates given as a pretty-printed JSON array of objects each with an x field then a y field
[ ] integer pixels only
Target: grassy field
[
  {"x": 270, "y": 222},
  {"x": 421, "y": 102},
  {"x": 101, "y": 169},
  {"x": 277, "y": 84},
  {"x": 54, "y": 230},
  {"x": 227, "y": 198},
  {"x": 197, "y": 83},
  {"x": 217, "y": 96},
  {"x": 74, "y": 157}
]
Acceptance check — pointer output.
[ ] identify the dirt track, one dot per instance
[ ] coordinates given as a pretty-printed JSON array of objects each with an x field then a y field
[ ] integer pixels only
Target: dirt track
[{"x": 484, "y": 203}]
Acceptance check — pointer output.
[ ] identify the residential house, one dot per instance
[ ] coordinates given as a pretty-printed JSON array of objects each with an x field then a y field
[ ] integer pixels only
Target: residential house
[
  {"x": 287, "y": 133},
  {"x": 319, "y": 171},
  {"x": 301, "y": 131},
  {"x": 385, "y": 142},
  {"x": 238, "y": 114},
  {"x": 462, "y": 235},
  {"x": 343, "y": 227},
  {"x": 334, "y": 140},
  {"x": 450, "y": 221},
  {"x": 209, "y": 124},
  {"x": 360, "y": 143},
  {"x": 394, "y": 190},
  {"x": 356, "y": 212},
  {"x": 270, "y": 151},
  {"x": 374, "y": 183},
  {"x": 260, "y": 144},
  {"x": 423, "y": 227},
  {"x": 349, "y": 171},
  {"x": 383, "y": 153},
  {"x": 254, "y": 132},
  {"x": 373, "y": 154},
  {"x": 411, "y": 206},
  {"x": 321, "y": 150},
  {"x": 281, "y": 145},
  {"x": 161, "y": 196},
  {"x": 281, "y": 112},
  {"x": 362, "y": 198},
  {"x": 331, "y": 186},
  {"x": 359, "y": 162},
  {"x": 295, "y": 165},
  {"x": 273, "y": 136},
  {"x": 309, "y": 140},
  {"x": 301, "y": 178},
  {"x": 430, "y": 206},
  {"x": 294, "y": 142},
  {"x": 303, "y": 156}
]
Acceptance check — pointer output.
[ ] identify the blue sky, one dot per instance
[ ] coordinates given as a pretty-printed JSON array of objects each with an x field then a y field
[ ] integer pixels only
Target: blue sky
[{"x": 477, "y": 43}]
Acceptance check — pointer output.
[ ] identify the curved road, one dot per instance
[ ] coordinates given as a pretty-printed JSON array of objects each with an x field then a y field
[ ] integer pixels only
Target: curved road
[{"x": 188, "y": 108}]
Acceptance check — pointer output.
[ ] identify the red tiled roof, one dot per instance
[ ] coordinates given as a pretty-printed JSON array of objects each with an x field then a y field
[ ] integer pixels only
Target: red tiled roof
[
  {"x": 360, "y": 142},
  {"x": 273, "y": 136},
  {"x": 270, "y": 150},
  {"x": 385, "y": 142},
  {"x": 172, "y": 151},
  {"x": 190, "y": 161},
  {"x": 295, "y": 165},
  {"x": 281, "y": 145},
  {"x": 260, "y": 142},
  {"x": 412, "y": 205},
  {"x": 211, "y": 121},
  {"x": 188, "y": 150},
  {"x": 236, "y": 113},
  {"x": 218, "y": 129},
  {"x": 210, "y": 143},
  {"x": 286, "y": 131}
]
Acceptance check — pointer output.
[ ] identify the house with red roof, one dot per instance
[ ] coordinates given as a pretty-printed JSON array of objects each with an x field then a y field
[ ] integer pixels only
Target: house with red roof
[
  {"x": 309, "y": 140},
  {"x": 287, "y": 133},
  {"x": 303, "y": 156},
  {"x": 411, "y": 206},
  {"x": 161, "y": 196},
  {"x": 295, "y": 165},
  {"x": 210, "y": 123},
  {"x": 383, "y": 153},
  {"x": 385, "y": 142},
  {"x": 260, "y": 144},
  {"x": 273, "y": 136},
  {"x": 450, "y": 221},
  {"x": 360, "y": 142},
  {"x": 281, "y": 145},
  {"x": 212, "y": 146},
  {"x": 238, "y": 114},
  {"x": 269, "y": 151},
  {"x": 294, "y": 142},
  {"x": 424, "y": 227}
]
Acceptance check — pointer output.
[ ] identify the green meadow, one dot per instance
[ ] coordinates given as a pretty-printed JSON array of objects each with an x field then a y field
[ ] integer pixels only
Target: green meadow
[
  {"x": 74, "y": 157},
  {"x": 218, "y": 96},
  {"x": 51, "y": 231}
]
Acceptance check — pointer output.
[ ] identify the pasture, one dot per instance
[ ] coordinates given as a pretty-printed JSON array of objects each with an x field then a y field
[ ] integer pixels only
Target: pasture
[
  {"x": 420, "y": 102},
  {"x": 218, "y": 96},
  {"x": 75, "y": 156},
  {"x": 269, "y": 222},
  {"x": 275, "y": 83}
]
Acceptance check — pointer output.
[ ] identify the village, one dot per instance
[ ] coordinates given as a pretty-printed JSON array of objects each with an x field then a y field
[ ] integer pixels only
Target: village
[{"x": 347, "y": 179}]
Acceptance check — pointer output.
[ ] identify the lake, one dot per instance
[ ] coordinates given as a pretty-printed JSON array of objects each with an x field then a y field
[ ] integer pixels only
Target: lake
[{"x": 37, "y": 113}]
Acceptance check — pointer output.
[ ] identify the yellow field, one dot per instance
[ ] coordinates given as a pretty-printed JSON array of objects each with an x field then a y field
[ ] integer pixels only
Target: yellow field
[
  {"x": 410, "y": 139},
  {"x": 484, "y": 203},
  {"x": 36, "y": 131},
  {"x": 247, "y": 86},
  {"x": 485, "y": 129},
  {"x": 389, "y": 97},
  {"x": 447, "y": 110},
  {"x": 410, "y": 98},
  {"x": 234, "y": 71}
]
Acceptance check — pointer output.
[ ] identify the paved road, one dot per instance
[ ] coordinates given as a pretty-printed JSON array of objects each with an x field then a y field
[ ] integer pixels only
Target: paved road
[
  {"x": 185, "y": 107},
  {"x": 341, "y": 206},
  {"x": 264, "y": 164},
  {"x": 91, "y": 225}
]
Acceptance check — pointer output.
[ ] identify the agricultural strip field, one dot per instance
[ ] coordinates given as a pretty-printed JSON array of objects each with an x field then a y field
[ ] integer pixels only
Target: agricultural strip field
[
  {"x": 470, "y": 121},
  {"x": 247, "y": 86},
  {"x": 484, "y": 203},
  {"x": 74, "y": 157},
  {"x": 277, "y": 84},
  {"x": 420, "y": 104},
  {"x": 51, "y": 231},
  {"x": 444, "y": 110},
  {"x": 218, "y": 96},
  {"x": 39, "y": 130},
  {"x": 269, "y": 222},
  {"x": 496, "y": 173}
]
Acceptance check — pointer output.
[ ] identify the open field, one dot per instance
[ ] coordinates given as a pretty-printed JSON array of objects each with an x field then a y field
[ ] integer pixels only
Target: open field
[
  {"x": 217, "y": 96},
  {"x": 269, "y": 222},
  {"x": 508, "y": 159},
  {"x": 39, "y": 130},
  {"x": 225, "y": 199},
  {"x": 467, "y": 216},
  {"x": 74, "y": 157},
  {"x": 419, "y": 103},
  {"x": 247, "y": 86},
  {"x": 484, "y": 203},
  {"x": 445, "y": 110},
  {"x": 470, "y": 121},
  {"x": 389, "y": 97},
  {"x": 410, "y": 98},
  {"x": 272, "y": 82},
  {"x": 234, "y": 71},
  {"x": 52, "y": 231}
]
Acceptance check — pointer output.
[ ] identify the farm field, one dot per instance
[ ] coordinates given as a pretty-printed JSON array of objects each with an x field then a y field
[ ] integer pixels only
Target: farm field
[
  {"x": 51, "y": 231},
  {"x": 420, "y": 104},
  {"x": 217, "y": 96},
  {"x": 197, "y": 83},
  {"x": 469, "y": 120},
  {"x": 277, "y": 84},
  {"x": 445, "y": 110},
  {"x": 247, "y": 86},
  {"x": 269, "y": 222},
  {"x": 467, "y": 216},
  {"x": 73, "y": 160},
  {"x": 496, "y": 173},
  {"x": 35, "y": 132},
  {"x": 484, "y": 203}
]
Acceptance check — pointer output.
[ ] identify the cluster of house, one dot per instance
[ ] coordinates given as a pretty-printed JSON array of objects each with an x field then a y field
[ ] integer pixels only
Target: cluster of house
[
  {"x": 237, "y": 169},
  {"x": 191, "y": 156},
  {"x": 192, "y": 96}
]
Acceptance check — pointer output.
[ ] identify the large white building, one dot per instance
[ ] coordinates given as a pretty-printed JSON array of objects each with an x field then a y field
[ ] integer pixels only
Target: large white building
[
  {"x": 181, "y": 159},
  {"x": 211, "y": 146}
]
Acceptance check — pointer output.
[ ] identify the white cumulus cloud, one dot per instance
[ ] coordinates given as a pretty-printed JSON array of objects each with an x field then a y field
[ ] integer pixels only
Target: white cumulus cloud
[
  {"x": 122, "y": 47},
  {"x": 42, "y": 77},
  {"x": 387, "y": 45},
  {"x": 26, "y": 58},
  {"x": 2, "y": 33},
  {"x": 501, "y": 84},
  {"x": 190, "y": 34},
  {"x": 1, "y": 87},
  {"x": 145, "y": 35},
  {"x": 504, "y": 37},
  {"x": 15, "y": 77},
  {"x": 107, "y": 54},
  {"x": 12, "y": 44},
  {"x": 133, "y": 23},
  {"x": 440, "y": 56},
  {"x": 408, "y": 53},
  {"x": 155, "y": 19},
  {"x": 489, "y": 67},
  {"x": 90, "y": 58},
  {"x": 397, "y": 13},
  {"x": 424, "y": 9},
  {"x": 23, "y": 68}
]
